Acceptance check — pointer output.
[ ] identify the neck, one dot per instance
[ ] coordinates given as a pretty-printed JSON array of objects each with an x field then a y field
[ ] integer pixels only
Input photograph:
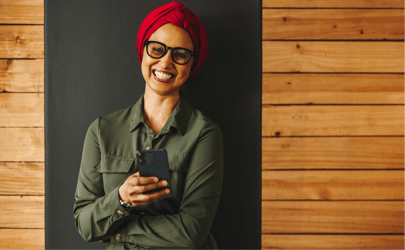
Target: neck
[{"x": 157, "y": 108}]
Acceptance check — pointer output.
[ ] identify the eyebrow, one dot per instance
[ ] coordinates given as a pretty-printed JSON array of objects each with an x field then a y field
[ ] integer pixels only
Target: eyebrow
[{"x": 192, "y": 50}]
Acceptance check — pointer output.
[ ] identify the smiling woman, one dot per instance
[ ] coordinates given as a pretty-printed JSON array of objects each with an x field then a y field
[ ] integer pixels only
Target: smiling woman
[
  {"x": 112, "y": 204},
  {"x": 163, "y": 67}
]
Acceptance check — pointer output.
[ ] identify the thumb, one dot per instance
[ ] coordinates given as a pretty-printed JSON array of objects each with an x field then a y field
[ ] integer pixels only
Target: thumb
[{"x": 136, "y": 174}]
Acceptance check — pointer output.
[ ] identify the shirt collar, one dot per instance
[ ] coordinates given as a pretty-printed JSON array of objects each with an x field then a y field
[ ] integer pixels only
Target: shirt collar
[{"x": 177, "y": 119}]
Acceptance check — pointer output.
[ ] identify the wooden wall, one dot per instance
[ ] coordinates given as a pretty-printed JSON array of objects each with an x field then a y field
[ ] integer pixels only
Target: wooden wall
[
  {"x": 22, "y": 154},
  {"x": 333, "y": 124}
]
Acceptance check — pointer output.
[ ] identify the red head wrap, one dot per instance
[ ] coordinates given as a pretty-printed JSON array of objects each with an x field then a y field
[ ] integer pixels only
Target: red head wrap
[{"x": 176, "y": 14}]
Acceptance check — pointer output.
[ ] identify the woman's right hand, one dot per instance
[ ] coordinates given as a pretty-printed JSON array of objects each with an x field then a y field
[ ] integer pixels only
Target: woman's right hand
[{"x": 132, "y": 191}]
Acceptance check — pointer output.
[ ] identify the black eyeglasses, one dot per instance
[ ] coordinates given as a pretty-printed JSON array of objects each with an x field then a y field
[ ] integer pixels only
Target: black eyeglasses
[{"x": 157, "y": 50}]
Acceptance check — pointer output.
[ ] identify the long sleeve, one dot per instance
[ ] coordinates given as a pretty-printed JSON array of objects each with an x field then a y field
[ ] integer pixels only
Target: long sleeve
[
  {"x": 203, "y": 185},
  {"x": 96, "y": 214}
]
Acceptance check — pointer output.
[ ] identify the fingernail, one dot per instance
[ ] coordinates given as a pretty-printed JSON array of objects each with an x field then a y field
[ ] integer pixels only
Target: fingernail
[
  {"x": 167, "y": 191},
  {"x": 156, "y": 179},
  {"x": 164, "y": 183}
]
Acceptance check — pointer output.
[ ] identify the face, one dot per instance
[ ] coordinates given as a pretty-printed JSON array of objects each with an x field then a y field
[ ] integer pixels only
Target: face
[{"x": 156, "y": 71}]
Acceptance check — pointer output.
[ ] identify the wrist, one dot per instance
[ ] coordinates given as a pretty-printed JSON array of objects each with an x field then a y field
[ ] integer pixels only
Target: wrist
[{"x": 122, "y": 202}]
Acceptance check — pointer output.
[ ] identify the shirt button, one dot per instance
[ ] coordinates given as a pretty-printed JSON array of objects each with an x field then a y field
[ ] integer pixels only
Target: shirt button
[
  {"x": 118, "y": 237},
  {"x": 119, "y": 212}
]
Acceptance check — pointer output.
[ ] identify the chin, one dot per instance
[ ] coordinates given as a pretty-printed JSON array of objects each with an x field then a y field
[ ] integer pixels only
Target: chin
[{"x": 160, "y": 88}]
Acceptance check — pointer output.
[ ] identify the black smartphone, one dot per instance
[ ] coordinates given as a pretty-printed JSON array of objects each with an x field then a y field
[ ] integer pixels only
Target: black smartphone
[{"x": 154, "y": 162}]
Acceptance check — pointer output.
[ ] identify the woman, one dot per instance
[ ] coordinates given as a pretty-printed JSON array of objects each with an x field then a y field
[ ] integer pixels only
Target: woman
[{"x": 111, "y": 205}]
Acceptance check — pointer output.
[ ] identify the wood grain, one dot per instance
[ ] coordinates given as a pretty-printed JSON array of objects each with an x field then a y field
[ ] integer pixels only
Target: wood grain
[
  {"x": 333, "y": 217},
  {"x": 337, "y": 24},
  {"x": 333, "y": 185},
  {"x": 22, "y": 239},
  {"x": 22, "y": 75},
  {"x": 22, "y": 212},
  {"x": 332, "y": 241},
  {"x": 333, "y": 153},
  {"x": 305, "y": 56},
  {"x": 22, "y": 109},
  {"x": 22, "y": 12},
  {"x": 22, "y": 178},
  {"x": 22, "y": 144},
  {"x": 333, "y": 89},
  {"x": 20, "y": 41},
  {"x": 333, "y": 4},
  {"x": 332, "y": 120}
]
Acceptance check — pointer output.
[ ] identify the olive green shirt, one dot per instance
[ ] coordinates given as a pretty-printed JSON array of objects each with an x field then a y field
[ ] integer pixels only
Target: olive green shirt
[{"x": 194, "y": 145}]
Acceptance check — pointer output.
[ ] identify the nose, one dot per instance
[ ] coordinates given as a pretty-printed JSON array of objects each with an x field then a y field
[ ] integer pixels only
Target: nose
[{"x": 166, "y": 61}]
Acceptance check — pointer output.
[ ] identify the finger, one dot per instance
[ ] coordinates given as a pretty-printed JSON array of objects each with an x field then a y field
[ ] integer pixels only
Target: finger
[
  {"x": 145, "y": 188},
  {"x": 146, "y": 180},
  {"x": 136, "y": 174},
  {"x": 139, "y": 180},
  {"x": 105, "y": 239},
  {"x": 152, "y": 196}
]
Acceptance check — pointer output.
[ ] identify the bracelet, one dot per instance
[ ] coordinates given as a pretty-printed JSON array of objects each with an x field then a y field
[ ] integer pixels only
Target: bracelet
[{"x": 127, "y": 205}]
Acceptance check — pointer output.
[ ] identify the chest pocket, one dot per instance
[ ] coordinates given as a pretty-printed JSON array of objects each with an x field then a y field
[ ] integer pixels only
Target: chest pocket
[
  {"x": 178, "y": 162},
  {"x": 115, "y": 170}
]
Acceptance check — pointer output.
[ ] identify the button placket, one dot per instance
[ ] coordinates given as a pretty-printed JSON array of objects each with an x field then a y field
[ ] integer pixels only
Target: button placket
[{"x": 149, "y": 139}]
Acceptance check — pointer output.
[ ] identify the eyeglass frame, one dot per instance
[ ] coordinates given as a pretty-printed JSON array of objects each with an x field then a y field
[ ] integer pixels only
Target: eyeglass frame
[{"x": 146, "y": 43}]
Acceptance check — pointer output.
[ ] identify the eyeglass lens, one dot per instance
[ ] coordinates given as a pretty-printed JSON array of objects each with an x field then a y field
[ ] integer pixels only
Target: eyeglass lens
[{"x": 180, "y": 56}]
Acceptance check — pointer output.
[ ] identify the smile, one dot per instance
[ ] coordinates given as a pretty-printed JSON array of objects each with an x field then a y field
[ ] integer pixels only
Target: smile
[{"x": 162, "y": 76}]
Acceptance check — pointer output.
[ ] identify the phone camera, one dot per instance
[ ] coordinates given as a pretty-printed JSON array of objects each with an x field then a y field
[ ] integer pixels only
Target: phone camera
[
  {"x": 147, "y": 159},
  {"x": 142, "y": 158}
]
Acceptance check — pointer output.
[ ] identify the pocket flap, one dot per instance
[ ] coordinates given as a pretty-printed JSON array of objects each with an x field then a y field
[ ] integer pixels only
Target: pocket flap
[
  {"x": 178, "y": 162},
  {"x": 113, "y": 164}
]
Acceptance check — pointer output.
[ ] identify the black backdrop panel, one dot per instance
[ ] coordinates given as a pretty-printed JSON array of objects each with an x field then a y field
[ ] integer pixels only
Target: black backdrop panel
[{"x": 92, "y": 69}]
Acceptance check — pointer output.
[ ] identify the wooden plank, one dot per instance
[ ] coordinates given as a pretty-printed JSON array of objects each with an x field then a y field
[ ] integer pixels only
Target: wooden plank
[
  {"x": 335, "y": 24},
  {"x": 22, "y": 239},
  {"x": 22, "y": 178},
  {"x": 333, "y": 185},
  {"x": 333, "y": 4},
  {"x": 22, "y": 12},
  {"x": 22, "y": 144},
  {"x": 332, "y": 241},
  {"x": 333, "y": 89},
  {"x": 22, "y": 211},
  {"x": 333, "y": 217},
  {"x": 22, "y": 75},
  {"x": 311, "y": 120},
  {"x": 333, "y": 153},
  {"x": 26, "y": 109},
  {"x": 301, "y": 56},
  {"x": 20, "y": 41}
]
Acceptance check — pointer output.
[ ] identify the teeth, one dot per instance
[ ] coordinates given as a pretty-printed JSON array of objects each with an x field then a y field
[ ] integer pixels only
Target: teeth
[{"x": 162, "y": 75}]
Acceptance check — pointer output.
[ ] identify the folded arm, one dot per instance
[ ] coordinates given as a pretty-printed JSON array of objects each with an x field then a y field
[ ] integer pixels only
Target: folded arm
[{"x": 97, "y": 215}]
